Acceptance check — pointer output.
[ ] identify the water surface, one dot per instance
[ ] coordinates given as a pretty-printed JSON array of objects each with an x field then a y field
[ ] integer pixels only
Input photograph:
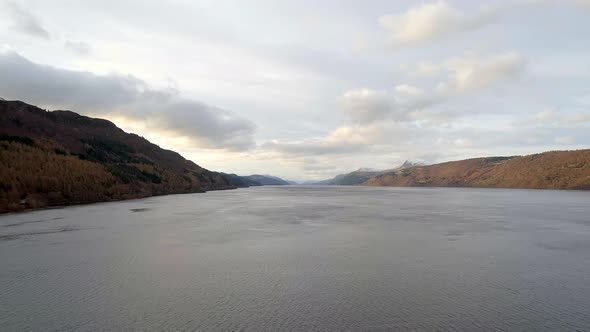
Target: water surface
[{"x": 302, "y": 259}]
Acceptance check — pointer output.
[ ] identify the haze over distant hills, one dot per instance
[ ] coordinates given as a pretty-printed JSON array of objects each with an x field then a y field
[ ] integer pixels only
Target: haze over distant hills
[
  {"x": 258, "y": 180},
  {"x": 268, "y": 180},
  {"x": 362, "y": 175},
  {"x": 61, "y": 157}
]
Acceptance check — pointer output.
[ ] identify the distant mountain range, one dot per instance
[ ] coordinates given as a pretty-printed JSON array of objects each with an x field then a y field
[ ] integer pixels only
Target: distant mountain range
[
  {"x": 268, "y": 180},
  {"x": 548, "y": 170},
  {"x": 258, "y": 180},
  {"x": 362, "y": 175},
  {"x": 61, "y": 157}
]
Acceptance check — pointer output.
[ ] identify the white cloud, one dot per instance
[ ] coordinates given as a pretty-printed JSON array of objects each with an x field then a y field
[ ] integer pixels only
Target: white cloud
[
  {"x": 366, "y": 105},
  {"x": 408, "y": 91},
  {"x": 474, "y": 73},
  {"x": 25, "y": 22},
  {"x": 422, "y": 69},
  {"x": 438, "y": 19},
  {"x": 126, "y": 98},
  {"x": 342, "y": 141},
  {"x": 578, "y": 118},
  {"x": 81, "y": 48},
  {"x": 311, "y": 146},
  {"x": 410, "y": 103},
  {"x": 544, "y": 116},
  {"x": 432, "y": 21},
  {"x": 470, "y": 72},
  {"x": 565, "y": 140},
  {"x": 553, "y": 117},
  {"x": 356, "y": 134}
]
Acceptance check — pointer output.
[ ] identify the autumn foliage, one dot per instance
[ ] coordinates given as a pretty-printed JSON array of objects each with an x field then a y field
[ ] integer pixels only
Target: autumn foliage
[
  {"x": 60, "y": 157},
  {"x": 549, "y": 170}
]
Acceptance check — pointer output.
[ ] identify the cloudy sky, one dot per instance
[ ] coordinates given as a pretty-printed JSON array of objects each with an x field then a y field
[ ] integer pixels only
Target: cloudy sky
[{"x": 308, "y": 89}]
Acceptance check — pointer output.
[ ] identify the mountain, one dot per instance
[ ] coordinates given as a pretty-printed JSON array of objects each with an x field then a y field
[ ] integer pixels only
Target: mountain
[
  {"x": 60, "y": 157},
  {"x": 267, "y": 180},
  {"x": 353, "y": 178},
  {"x": 361, "y": 175},
  {"x": 410, "y": 163},
  {"x": 549, "y": 170},
  {"x": 241, "y": 181}
]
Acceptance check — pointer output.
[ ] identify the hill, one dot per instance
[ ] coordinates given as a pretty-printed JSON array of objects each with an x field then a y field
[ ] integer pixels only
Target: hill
[
  {"x": 353, "y": 178},
  {"x": 60, "y": 157},
  {"x": 361, "y": 175},
  {"x": 241, "y": 181},
  {"x": 267, "y": 180},
  {"x": 549, "y": 170}
]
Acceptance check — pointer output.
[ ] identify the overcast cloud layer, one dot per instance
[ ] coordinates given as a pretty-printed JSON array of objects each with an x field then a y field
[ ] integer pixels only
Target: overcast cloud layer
[
  {"x": 307, "y": 89},
  {"x": 123, "y": 97}
]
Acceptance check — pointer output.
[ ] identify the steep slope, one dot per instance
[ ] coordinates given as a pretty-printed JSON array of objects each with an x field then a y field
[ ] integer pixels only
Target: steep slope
[
  {"x": 267, "y": 180},
  {"x": 241, "y": 181},
  {"x": 60, "y": 157},
  {"x": 549, "y": 170}
]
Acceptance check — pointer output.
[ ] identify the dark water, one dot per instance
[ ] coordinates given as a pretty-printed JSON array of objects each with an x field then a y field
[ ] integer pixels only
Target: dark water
[{"x": 302, "y": 259}]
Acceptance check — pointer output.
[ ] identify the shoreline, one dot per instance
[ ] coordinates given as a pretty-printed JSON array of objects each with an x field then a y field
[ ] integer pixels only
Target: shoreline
[{"x": 57, "y": 206}]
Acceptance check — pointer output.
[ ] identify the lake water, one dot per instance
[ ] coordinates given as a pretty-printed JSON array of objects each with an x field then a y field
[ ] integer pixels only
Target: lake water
[{"x": 302, "y": 259}]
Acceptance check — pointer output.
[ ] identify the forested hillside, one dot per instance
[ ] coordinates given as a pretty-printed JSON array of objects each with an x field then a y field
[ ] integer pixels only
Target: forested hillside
[{"x": 60, "y": 157}]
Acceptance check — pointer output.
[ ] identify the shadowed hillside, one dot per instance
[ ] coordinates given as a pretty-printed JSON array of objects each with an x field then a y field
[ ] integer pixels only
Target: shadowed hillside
[
  {"x": 60, "y": 157},
  {"x": 267, "y": 180},
  {"x": 549, "y": 170}
]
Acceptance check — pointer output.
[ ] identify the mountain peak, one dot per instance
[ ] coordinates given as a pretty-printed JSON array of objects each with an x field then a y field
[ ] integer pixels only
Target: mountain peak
[{"x": 411, "y": 163}]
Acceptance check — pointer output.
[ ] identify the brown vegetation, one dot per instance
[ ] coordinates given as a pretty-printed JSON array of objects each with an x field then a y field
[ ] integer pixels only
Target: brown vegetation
[
  {"x": 60, "y": 157},
  {"x": 549, "y": 170}
]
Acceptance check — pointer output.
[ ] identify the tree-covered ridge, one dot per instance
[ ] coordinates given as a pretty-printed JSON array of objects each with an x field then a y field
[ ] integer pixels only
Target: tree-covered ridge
[{"x": 60, "y": 157}]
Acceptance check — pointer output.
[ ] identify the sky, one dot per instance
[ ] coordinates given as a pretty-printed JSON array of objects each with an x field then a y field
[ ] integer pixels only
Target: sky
[{"x": 309, "y": 89}]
